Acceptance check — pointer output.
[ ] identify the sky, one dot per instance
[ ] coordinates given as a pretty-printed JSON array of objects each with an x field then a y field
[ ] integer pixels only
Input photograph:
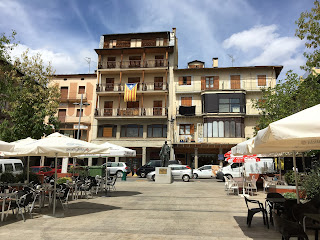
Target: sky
[{"x": 252, "y": 32}]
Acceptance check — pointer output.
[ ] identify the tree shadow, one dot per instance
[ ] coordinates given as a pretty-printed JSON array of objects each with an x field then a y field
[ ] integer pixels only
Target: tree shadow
[{"x": 118, "y": 194}]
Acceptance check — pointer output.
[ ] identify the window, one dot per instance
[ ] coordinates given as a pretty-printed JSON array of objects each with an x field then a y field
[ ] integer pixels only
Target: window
[
  {"x": 159, "y": 42},
  {"x": 82, "y": 90},
  {"x": 212, "y": 82},
  {"x": 132, "y": 130},
  {"x": 227, "y": 127},
  {"x": 62, "y": 115},
  {"x": 65, "y": 79},
  {"x": 18, "y": 167},
  {"x": 262, "y": 80},
  {"x": 186, "y": 80},
  {"x": 8, "y": 167},
  {"x": 231, "y": 105},
  {"x": 82, "y": 78},
  {"x": 157, "y": 131},
  {"x": 158, "y": 83},
  {"x": 78, "y": 112},
  {"x": 159, "y": 62},
  {"x": 107, "y": 131},
  {"x": 112, "y": 43},
  {"x": 186, "y": 101},
  {"x": 186, "y": 129},
  {"x": 64, "y": 92},
  {"x": 135, "y": 43}
]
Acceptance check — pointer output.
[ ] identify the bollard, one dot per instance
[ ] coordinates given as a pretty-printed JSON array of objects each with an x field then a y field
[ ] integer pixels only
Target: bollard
[{"x": 124, "y": 176}]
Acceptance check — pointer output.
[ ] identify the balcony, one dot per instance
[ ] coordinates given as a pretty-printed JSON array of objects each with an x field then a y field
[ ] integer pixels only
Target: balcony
[
  {"x": 187, "y": 110},
  {"x": 131, "y": 112},
  {"x": 73, "y": 98},
  {"x": 158, "y": 63},
  {"x": 249, "y": 85},
  {"x": 115, "y": 87}
]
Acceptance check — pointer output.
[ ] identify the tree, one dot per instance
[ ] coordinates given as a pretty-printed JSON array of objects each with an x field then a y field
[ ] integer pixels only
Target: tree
[
  {"x": 30, "y": 102},
  {"x": 309, "y": 30},
  {"x": 286, "y": 98}
]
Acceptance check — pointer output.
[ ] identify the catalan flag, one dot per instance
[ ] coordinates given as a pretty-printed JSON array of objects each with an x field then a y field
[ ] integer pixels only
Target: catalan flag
[{"x": 130, "y": 92}]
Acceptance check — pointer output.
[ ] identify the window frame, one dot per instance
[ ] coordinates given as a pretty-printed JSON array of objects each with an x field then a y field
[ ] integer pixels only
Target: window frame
[
  {"x": 164, "y": 130},
  {"x": 231, "y": 105},
  {"x": 81, "y": 88},
  {"x": 124, "y": 129}
]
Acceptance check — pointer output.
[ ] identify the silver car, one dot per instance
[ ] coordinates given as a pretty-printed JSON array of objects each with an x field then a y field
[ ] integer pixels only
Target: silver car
[{"x": 183, "y": 172}]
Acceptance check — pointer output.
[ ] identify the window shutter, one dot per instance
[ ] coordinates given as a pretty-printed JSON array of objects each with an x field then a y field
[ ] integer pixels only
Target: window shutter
[
  {"x": 262, "y": 81},
  {"x": 180, "y": 80},
  {"x": 216, "y": 82},
  {"x": 107, "y": 132},
  {"x": 203, "y": 82},
  {"x": 192, "y": 129},
  {"x": 189, "y": 80}
]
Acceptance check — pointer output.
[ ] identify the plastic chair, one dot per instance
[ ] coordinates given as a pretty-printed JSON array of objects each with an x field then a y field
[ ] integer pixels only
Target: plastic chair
[
  {"x": 111, "y": 185},
  {"x": 63, "y": 194},
  {"x": 288, "y": 228},
  {"x": 252, "y": 211},
  {"x": 269, "y": 206},
  {"x": 250, "y": 186}
]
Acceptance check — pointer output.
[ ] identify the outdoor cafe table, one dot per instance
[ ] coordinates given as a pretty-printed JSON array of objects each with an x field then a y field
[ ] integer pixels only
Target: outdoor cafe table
[
  {"x": 274, "y": 202},
  {"x": 313, "y": 216},
  {"x": 4, "y": 196}
]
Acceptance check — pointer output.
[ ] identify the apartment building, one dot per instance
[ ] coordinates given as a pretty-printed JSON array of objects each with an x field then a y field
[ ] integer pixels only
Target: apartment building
[
  {"x": 139, "y": 98},
  {"x": 137, "y": 118},
  {"x": 73, "y": 87},
  {"x": 212, "y": 108}
]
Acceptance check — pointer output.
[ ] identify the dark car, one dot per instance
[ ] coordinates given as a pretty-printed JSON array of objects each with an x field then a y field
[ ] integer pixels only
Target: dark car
[
  {"x": 151, "y": 166},
  {"x": 39, "y": 170}
]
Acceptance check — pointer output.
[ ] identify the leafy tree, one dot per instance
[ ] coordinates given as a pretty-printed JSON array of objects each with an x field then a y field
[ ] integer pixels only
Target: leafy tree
[
  {"x": 309, "y": 30},
  {"x": 286, "y": 98},
  {"x": 29, "y": 99}
]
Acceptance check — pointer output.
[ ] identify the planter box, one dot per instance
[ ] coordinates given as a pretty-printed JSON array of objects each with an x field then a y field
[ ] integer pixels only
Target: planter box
[
  {"x": 60, "y": 175},
  {"x": 283, "y": 189}
]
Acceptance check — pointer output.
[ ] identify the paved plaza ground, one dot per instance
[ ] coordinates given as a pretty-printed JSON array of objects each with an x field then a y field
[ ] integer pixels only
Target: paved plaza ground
[{"x": 139, "y": 209}]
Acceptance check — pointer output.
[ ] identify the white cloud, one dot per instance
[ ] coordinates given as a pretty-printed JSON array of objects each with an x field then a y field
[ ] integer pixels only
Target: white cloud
[
  {"x": 63, "y": 63},
  {"x": 262, "y": 45}
]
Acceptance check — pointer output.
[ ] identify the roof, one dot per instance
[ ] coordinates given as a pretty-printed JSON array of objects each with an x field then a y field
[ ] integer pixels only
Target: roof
[
  {"x": 195, "y": 61},
  {"x": 276, "y": 68},
  {"x": 138, "y": 33},
  {"x": 76, "y": 75}
]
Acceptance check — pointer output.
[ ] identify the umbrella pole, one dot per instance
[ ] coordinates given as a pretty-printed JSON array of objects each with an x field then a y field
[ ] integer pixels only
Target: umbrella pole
[
  {"x": 295, "y": 175},
  {"x": 28, "y": 169},
  {"x": 106, "y": 183},
  {"x": 55, "y": 185}
]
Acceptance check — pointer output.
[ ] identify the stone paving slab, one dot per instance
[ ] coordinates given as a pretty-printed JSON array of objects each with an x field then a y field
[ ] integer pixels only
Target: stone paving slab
[{"x": 140, "y": 209}]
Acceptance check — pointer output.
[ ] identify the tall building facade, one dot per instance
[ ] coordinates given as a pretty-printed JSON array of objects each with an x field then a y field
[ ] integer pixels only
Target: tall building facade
[
  {"x": 139, "y": 99},
  {"x": 136, "y": 118}
]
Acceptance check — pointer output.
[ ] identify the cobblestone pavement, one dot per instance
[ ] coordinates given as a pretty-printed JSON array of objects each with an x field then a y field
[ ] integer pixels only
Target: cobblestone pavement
[{"x": 139, "y": 209}]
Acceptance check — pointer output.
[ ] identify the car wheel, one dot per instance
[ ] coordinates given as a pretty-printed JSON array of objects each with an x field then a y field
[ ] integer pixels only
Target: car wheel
[
  {"x": 185, "y": 178},
  {"x": 143, "y": 175},
  {"x": 119, "y": 174},
  {"x": 195, "y": 175},
  {"x": 152, "y": 177}
]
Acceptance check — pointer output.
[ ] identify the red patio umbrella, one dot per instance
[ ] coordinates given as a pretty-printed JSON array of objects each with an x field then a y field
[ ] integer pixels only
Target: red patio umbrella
[{"x": 227, "y": 154}]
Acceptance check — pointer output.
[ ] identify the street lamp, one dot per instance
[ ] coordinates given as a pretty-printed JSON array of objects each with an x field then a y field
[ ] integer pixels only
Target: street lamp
[{"x": 81, "y": 104}]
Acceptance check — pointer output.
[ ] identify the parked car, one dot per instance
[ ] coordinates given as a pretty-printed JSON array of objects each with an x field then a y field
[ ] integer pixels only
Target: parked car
[
  {"x": 117, "y": 168},
  {"x": 178, "y": 171},
  {"x": 39, "y": 170},
  {"x": 206, "y": 171},
  {"x": 14, "y": 166},
  {"x": 151, "y": 166}
]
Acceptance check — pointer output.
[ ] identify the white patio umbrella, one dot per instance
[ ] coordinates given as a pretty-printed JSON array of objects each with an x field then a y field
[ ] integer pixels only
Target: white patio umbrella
[
  {"x": 56, "y": 145},
  {"x": 114, "y": 151},
  {"x": 298, "y": 132},
  {"x": 6, "y": 147}
]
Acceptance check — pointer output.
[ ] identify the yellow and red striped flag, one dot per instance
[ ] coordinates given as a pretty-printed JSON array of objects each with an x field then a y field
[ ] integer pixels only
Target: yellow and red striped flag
[{"x": 130, "y": 92}]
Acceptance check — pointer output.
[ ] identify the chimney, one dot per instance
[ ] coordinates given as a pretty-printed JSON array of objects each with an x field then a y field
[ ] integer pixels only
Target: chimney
[
  {"x": 174, "y": 31},
  {"x": 215, "y": 62}
]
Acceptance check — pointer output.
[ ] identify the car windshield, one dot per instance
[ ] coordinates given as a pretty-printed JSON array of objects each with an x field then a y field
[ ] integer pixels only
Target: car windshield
[{"x": 34, "y": 170}]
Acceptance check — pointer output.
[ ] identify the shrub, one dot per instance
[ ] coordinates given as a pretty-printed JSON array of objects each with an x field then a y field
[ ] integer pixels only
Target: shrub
[
  {"x": 290, "y": 179},
  {"x": 32, "y": 177},
  {"x": 311, "y": 183},
  {"x": 290, "y": 195},
  {"x": 8, "y": 177},
  {"x": 64, "y": 180}
]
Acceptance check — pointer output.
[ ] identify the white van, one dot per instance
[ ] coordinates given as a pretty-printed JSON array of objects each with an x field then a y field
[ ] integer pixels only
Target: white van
[
  {"x": 265, "y": 165},
  {"x": 14, "y": 166}
]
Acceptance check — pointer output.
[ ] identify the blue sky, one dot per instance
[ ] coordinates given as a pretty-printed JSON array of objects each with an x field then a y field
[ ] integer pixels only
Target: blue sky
[{"x": 254, "y": 32}]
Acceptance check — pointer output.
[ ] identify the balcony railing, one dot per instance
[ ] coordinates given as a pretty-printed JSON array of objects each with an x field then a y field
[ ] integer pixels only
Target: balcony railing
[
  {"x": 115, "y": 87},
  {"x": 157, "y": 63},
  {"x": 123, "y": 112},
  {"x": 74, "y": 98}
]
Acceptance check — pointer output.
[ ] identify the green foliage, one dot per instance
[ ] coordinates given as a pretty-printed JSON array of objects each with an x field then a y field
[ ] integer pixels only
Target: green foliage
[
  {"x": 290, "y": 178},
  {"x": 29, "y": 98},
  {"x": 290, "y": 195},
  {"x": 311, "y": 183},
  {"x": 23, "y": 176},
  {"x": 64, "y": 180},
  {"x": 286, "y": 98},
  {"x": 7, "y": 177},
  {"x": 309, "y": 30}
]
